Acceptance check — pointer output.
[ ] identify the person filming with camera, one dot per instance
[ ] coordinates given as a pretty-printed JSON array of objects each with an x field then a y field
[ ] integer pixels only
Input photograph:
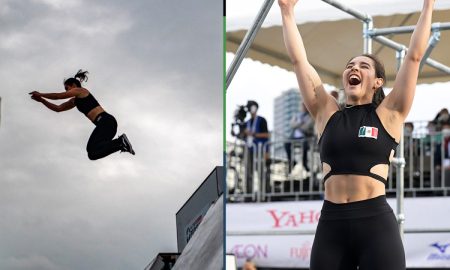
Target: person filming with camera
[{"x": 256, "y": 135}]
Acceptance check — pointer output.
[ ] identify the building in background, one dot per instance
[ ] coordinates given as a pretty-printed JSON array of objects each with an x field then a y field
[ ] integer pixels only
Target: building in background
[{"x": 285, "y": 107}]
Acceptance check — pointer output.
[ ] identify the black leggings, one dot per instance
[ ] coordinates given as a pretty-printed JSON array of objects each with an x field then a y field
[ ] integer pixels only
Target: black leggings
[
  {"x": 363, "y": 233},
  {"x": 101, "y": 141}
]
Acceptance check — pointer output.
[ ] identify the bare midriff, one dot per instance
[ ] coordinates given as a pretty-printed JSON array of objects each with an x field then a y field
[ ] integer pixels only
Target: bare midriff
[
  {"x": 350, "y": 188},
  {"x": 92, "y": 114}
]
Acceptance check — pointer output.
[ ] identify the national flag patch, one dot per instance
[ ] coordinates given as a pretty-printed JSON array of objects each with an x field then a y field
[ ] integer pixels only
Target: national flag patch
[{"x": 368, "y": 132}]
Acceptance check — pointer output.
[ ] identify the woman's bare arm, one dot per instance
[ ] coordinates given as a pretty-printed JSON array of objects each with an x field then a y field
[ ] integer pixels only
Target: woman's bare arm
[
  {"x": 318, "y": 102},
  {"x": 74, "y": 92},
  {"x": 56, "y": 108},
  {"x": 400, "y": 99}
]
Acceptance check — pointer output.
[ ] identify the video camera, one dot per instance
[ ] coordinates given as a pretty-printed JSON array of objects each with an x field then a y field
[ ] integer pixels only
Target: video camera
[{"x": 238, "y": 126}]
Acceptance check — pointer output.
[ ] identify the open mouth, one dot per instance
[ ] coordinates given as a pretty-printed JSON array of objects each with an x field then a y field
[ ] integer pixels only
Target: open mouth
[{"x": 354, "y": 80}]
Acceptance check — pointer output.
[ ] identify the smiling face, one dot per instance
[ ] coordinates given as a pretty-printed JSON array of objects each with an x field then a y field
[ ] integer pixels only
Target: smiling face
[{"x": 360, "y": 80}]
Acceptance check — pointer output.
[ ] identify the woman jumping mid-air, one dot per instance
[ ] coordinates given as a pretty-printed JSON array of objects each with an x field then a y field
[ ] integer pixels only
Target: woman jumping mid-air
[
  {"x": 357, "y": 227},
  {"x": 101, "y": 142}
]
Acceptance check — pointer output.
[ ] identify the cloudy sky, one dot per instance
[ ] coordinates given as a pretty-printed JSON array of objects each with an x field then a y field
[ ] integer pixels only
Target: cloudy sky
[{"x": 157, "y": 67}]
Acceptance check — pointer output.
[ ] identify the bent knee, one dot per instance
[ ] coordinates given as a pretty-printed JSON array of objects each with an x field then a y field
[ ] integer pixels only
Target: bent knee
[{"x": 91, "y": 156}]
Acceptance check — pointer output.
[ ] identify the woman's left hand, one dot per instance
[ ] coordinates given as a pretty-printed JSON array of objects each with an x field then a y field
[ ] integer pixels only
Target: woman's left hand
[
  {"x": 36, "y": 98},
  {"x": 428, "y": 2},
  {"x": 35, "y": 93}
]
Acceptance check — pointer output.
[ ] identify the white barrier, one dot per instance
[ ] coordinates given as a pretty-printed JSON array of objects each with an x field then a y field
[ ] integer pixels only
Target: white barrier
[{"x": 280, "y": 234}]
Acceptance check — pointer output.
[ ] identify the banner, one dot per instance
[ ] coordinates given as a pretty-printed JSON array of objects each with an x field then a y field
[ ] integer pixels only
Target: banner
[
  {"x": 280, "y": 234},
  {"x": 293, "y": 251}
]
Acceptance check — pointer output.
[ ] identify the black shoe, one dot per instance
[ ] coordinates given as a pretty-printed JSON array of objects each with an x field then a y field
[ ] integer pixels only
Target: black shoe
[{"x": 126, "y": 145}]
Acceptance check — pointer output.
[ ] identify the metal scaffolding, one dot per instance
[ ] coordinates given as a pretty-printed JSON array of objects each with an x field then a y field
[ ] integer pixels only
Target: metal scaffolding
[
  {"x": 369, "y": 34},
  {"x": 248, "y": 40},
  {"x": 0, "y": 111}
]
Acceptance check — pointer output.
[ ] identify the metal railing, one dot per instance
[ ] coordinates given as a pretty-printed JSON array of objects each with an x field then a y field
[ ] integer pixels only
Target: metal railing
[{"x": 426, "y": 172}]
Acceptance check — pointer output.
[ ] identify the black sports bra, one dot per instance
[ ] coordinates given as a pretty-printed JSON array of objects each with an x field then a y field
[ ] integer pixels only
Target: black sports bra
[
  {"x": 354, "y": 140},
  {"x": 86, "y": 104}
]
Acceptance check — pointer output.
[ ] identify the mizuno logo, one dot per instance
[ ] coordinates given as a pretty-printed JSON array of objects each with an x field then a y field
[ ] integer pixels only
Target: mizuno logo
[
  {"x": 368, "y": 132},
  {"x": 441, "y": 248}
]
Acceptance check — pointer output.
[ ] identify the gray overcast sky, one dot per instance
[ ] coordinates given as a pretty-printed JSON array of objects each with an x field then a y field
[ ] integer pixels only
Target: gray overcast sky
[{"x": 157, "y": 67}]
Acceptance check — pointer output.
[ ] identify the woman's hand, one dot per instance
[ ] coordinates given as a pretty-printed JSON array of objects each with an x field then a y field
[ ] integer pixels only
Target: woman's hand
[
  {"x": 287, "y": 4},
  {"x": 36, "y": 98},
  {"x": 429, "y": 3},
  {"x": 35, "y": 95}
]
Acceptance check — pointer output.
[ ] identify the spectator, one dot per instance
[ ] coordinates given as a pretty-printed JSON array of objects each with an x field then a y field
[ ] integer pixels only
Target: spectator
[
  {"x": 302, "y": 132},
  {"x": 410, "y": 150},
  {"x": 438, "y": 122},
  {"x": 257, "y": 136},
  {"x": 441, "y": 117},
  {"x": 335, "y": 94},
  {"x": 408, "y": 129},
  {"x": 409, "y": 141},
  {"x": 443, "y": 155},
  {"x": 249, "y": 265},
  {"x": 446, "y": 140}
]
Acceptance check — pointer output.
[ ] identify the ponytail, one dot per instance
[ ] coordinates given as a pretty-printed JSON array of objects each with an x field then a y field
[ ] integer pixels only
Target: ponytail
[
  {"x": 81, "y": 75},
  {"x": 78, "y": 78},
  {"x": 378, "y": 97}
]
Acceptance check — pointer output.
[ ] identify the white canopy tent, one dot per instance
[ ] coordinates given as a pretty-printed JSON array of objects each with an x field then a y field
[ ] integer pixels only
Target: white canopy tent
[{"x": 332, "y": 36}]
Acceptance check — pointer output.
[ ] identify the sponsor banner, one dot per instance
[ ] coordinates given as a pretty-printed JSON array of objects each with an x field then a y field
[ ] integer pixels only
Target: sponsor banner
[
  {"x": 427, "y": 250},
  {"x": 277, "y": 216},
  {"x": 266, "y": 232},
  {"x": 272, "y": 250},
  {"x": 294, "y": 251},
  {"x": 420, "y": 213},
  {"x": 190, "y": 215},
  {"x": 193, "y": 225}
]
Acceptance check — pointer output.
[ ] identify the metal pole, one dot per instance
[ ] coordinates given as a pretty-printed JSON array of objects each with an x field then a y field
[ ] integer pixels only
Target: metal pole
[
  {"x": 366, "y": 19},
  {"x": 367, "y": 26},
  {"x": 247, "y": 41},
  {"x": 406, "y": 29},
  {"x": 398, "y": 47},
  {"x": 437, "y": 65},
  {"x": 359, "y": 15},
  {"x": 260, "y": 190},
  {"x": 375, "y": 33},
  {"x": 0, "y": 111},
  {"x": 399, "y": 162},
  {"x": 434, "y": 40}
]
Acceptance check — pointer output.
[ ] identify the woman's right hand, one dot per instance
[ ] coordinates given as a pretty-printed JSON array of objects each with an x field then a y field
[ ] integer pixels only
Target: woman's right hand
[
  {"x": 287, "y": 4},
  {"x": 36, "y": 98}
]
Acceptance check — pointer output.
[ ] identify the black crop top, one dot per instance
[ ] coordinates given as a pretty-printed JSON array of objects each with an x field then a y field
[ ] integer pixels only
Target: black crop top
[
  {"x": 354, "y": 140},
  {"x": 86, "y": 104}
]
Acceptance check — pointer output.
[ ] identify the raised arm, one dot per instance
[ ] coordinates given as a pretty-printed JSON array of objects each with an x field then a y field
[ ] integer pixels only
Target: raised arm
[
  {"x": 318, "y": 102},
  {"x": 74, "y": 92},
  {"x": 56, "y": 108},
  {"x": 400, "y": 99}
]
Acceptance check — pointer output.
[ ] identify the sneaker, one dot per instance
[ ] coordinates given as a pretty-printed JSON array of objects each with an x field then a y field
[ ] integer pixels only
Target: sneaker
[{"x": 126, "y": 144}]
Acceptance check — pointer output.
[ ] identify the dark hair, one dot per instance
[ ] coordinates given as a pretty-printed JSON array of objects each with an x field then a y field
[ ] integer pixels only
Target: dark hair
[
  {"x": 378, "y": 96},
  {"x": 251, "y": 103},
  {"x": 78, "y": 78}
]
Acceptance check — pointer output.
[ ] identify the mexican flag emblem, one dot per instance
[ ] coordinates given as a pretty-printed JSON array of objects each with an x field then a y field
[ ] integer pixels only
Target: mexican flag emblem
[{"x": 368, "y": 132}]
